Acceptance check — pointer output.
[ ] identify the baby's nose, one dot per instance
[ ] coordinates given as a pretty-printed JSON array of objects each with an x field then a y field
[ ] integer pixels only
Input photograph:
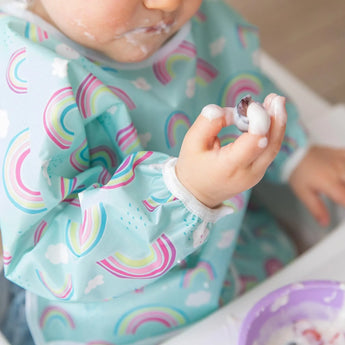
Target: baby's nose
[{"x": 163, "y": 5}]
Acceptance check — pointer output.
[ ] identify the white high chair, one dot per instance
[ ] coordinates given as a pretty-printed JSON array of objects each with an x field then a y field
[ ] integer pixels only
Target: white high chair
[{"x": 320, "y": 118}]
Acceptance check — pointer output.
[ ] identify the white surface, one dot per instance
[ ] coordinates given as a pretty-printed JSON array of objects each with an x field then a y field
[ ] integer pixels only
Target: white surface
[
  {"x": 323, "y": 261},
  {"x": 3, "y": 341}
]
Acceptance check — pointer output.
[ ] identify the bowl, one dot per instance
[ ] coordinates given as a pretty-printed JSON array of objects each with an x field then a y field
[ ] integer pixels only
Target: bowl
[{"x": 307, "y": 312}]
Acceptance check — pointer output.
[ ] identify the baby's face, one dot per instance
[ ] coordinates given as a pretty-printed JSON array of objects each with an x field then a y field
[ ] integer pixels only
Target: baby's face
[{"x": 124, "y": 30}]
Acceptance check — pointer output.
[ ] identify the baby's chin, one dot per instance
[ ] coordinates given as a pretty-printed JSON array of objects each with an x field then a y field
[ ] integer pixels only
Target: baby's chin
[
  {"x": 134, "y": 51},
  {"x": 132, "y": 54}
]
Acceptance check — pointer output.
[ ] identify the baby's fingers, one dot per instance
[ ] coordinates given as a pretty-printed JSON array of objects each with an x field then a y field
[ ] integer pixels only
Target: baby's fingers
[
  {"x": 245, "y": 150},
  {"x": 275, "y": 106},
  {"x": 316, "y": 206},
  {"x": 205, "y": 130},
  {"x": 209, "y": 123}
]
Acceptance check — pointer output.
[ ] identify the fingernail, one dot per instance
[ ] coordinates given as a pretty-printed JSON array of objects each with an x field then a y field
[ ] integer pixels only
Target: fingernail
[
  {"x": 212, "y": 112},
  {"x": 279, "y": 110}
]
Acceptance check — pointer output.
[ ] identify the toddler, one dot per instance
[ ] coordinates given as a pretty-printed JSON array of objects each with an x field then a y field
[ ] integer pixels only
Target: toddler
[{"x": 123, "y": 213}]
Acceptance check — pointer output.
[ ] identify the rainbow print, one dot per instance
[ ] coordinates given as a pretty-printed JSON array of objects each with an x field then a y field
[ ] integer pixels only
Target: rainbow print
[
  {"x": 60, "y": 105},
  {"x": 103, "y": 155},
  {"x": 168, "y": 317},
  {"x": 6, "y": 257},
  {"x": 69, "y": 194},
  {"x": 200, "y": 17},
  {"x": 289, "y": 145},
  {"x": 239, "y": 86},
  {"x": 24, "y": 198},
  {"x": 40, "y": 231},
  {"x": 202, "y": 268},
  {"x": 163, "y": 69},
  {"x": 104, "y": 177},
  {"x": 65, "y": 292},
  {"x": 14, "y": 81},
  {"x": 89, "y": 94},
  {"x": 72, "y": 200},
  {"x": 127, "y": 139},
  {"x": 79, "y": 158},
  {"x": 153, "y": 202},
  {"x": 205, "y": 72},
  {"x": 67, "y": 186},
  {"x": 83, "y": 238},
  {"x": 159, "y": 261},
  {"x": 123, "y": 96},
  {"x": 175, "y": 121},
  {"x": 54, "y": 313},
  {"x": 228, "y": 138},
  {"x": 244, "y": 32},
  {"x": 126, "y": 171},
  {"x": 237, "y": 202},
  {"x": 35, "y": 33}
]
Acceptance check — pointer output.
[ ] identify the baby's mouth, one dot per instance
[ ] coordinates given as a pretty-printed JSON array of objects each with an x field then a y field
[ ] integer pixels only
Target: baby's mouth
[{"x": 164, "y": 26}]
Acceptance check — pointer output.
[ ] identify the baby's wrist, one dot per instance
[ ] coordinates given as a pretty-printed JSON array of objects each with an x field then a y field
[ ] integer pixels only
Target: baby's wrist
[
  {"x": 201, "y": 197},
  {"x": 192, "y": 204}
]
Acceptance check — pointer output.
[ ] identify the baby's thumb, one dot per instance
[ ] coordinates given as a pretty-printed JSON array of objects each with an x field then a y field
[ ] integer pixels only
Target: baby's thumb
[{"x": 209, "y": 123}]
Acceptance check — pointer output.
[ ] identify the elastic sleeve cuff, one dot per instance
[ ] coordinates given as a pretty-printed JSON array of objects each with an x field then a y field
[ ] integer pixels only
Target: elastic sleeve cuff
[
  {"x": 292, "y": 162},
  {"x": 192, "y": 204}
]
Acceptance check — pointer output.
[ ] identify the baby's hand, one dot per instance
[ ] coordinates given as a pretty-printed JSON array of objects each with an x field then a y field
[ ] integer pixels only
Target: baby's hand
[
  {"x": 213, "y": 173},
  {"x": 322, "y": 171}
]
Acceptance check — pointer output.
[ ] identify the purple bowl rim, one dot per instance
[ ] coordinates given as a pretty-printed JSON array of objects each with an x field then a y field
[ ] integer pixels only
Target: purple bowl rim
[{"x": 266, "y": 300}]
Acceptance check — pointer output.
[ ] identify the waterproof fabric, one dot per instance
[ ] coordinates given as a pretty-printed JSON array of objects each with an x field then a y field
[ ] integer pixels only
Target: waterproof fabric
[{"x": 94, "y": 222}]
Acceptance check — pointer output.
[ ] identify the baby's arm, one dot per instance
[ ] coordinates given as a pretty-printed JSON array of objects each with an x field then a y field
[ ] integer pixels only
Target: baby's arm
[{"x": 213, "y": 173}]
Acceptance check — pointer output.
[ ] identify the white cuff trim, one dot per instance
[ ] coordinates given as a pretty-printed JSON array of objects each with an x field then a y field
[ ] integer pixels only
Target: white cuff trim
[
  {"x": 192, "y": 204},
  {"x": 292, "y": 162}
]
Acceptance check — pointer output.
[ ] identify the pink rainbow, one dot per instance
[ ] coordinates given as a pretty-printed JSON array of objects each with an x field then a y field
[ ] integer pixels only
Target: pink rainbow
[
  {"x": 55, "y": 312},
  {"x": 175, "y": 120},
  {"x": 55, "y": 111},
  {"x": 123, "y": 96},
  {"x": 65, "y": 292},
  {"x": 161, "y": 69},
  {"x": 39, "y": 232},
  {"x": 203, "y": 267},
  {"x": 27, "y": 200},
  {"x": 165, "y": 254},
  {"x": 151, "y": 316},
  {"x": 126, "y": 172},
  {"x": 127, "y": 137},
  {"x": 15, "y": 83},
  {"x": 7, "y": 258},
  {"x": 205, "y": 71}
]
